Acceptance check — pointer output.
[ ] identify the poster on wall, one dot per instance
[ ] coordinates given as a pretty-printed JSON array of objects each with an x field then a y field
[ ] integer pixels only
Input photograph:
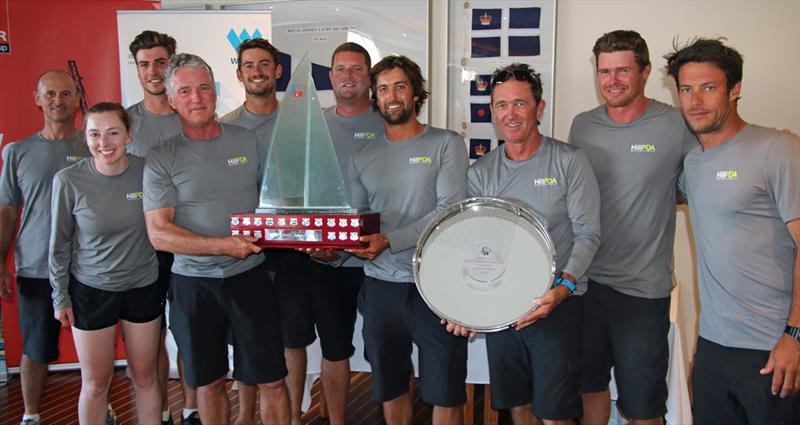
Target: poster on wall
[
  {"x": 222, "y": 32},
  {"x": 35, "y": 37},
  {"x": 486, "y": 35}
]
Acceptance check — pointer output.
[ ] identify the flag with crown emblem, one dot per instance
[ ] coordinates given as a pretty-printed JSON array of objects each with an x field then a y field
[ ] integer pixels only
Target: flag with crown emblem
[
  {"x": 479, "y": 147},
  {"x": 480, "y": 85},
  {"x": 511, "y": 32},
  {"x": 486, "y": 19}
]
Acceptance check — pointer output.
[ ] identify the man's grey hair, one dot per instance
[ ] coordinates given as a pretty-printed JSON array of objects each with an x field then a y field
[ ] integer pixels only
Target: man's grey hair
[{"x": 186, "y": 60}]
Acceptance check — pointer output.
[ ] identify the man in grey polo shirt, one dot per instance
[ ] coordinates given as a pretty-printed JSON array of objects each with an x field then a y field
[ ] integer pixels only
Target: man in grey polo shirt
[
  {"x": 535, "y": 368},
  {"x": 635, "y": 145},
  {"x": 743, "y": 188},
  {"x": 334, "y": 286},
  {"x": 258, "y": 70},
  {"x": 153, "y": 122},
  {"x": 25, "y": 183},
  {"x": 219, "y": 285},
  {"x": 408, "y": 175}
]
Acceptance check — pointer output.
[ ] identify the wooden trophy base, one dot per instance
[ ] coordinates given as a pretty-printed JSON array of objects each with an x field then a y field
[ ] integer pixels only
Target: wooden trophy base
[{"x": 307, "y": 229}]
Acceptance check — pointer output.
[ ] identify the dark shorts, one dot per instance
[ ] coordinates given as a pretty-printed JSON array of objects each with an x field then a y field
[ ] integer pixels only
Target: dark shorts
[
  {"x": 630, "y": 334},
  {"x": 204, "y": 310},
  {"x": 97, "y": 309},
  {"x": 729, "y": 390},
  {"x": 293, "y": 285},
  {"x": 540, "y": 364},
  {"x": 394, "y": 316},
  {"x": 165, "y": 260},
  {"x": 37, "y": 323},
  {"x": 334, "y": 295}
]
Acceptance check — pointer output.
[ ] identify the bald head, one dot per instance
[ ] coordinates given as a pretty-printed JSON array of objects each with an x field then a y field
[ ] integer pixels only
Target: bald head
[
  {"x": 55, "y": 75},
  {"x": 57, "y": 96}
]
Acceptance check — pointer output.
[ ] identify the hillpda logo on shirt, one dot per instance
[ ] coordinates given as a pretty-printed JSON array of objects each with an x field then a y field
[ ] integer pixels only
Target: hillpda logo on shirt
[
  {"x": 416, "y": 160},
  {"x": 75, "y": 158},
  {"x": 727, "y": 175},
  {"x": 236, "y": 161},
  {"x": 547, "y": 181},
  {"x": 643, "y": 148},
  {"x": 134, "y": 196},
  {"x": 364, "y": 135}
]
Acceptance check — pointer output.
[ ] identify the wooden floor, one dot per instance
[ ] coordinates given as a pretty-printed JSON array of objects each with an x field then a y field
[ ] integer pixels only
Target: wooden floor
[{"x": 59, "y": 406}]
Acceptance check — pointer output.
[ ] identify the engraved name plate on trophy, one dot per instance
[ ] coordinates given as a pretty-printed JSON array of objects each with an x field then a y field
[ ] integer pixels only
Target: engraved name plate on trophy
[{"x": 303, "y": 202}]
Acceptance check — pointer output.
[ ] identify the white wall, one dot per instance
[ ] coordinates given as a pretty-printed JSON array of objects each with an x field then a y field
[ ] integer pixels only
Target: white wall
[{"x": 766, "y": 33}]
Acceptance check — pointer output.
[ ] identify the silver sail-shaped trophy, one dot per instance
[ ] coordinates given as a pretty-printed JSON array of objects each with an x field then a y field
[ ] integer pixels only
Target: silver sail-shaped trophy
[{"x": 303, "y": 201}]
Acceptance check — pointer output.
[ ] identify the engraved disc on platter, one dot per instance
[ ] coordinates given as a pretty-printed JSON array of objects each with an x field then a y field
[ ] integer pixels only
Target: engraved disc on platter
[{"x": 481, "y": 262}]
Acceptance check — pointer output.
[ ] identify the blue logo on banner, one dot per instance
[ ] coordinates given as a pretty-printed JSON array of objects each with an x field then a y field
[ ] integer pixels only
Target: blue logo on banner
[{"x": 243, "y": 36}]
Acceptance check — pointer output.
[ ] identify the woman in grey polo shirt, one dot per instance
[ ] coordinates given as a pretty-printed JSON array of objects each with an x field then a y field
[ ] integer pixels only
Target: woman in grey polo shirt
[{"x": 102, "y": 267}]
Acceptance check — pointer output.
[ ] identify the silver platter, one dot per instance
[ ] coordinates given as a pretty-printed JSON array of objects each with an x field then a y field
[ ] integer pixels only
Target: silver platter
[{"x": 482, "y": 261}]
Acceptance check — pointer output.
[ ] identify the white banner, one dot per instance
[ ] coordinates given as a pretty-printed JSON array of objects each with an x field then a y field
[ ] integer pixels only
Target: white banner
[{"x": 213, "y": 35}]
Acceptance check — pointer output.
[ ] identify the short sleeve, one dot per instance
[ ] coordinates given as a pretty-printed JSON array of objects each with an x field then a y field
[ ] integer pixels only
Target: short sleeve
[
  {"x": 159, "y": 191},
  {"x": 783, "y": 175},
  {"x": 9, "y": 187}
]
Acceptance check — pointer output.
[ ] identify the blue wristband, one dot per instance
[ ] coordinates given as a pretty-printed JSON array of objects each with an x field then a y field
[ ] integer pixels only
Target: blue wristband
[{"x": 566, "y": 282}]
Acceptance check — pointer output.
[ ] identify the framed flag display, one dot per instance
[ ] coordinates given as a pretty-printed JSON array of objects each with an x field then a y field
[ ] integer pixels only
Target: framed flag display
[{"x": 486, "y": 35}]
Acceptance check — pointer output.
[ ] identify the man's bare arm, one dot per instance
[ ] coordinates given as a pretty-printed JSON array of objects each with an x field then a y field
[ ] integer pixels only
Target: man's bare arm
[
  {"x": 784, "y": 359},
  {"x": 167, "y": 236}
]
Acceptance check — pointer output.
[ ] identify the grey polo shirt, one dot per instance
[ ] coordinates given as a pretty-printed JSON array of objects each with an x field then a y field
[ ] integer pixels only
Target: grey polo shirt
[
  {"x": 206, "y": 181},
  {"x": 98, "y": 232},
  {"x": 408, "y": 182},
  {"x": 741, "y": 194},
  {"x": 26, "y": 180},
  {"x": 558, "y": 185},
  {"x": 637, "y": 165}
]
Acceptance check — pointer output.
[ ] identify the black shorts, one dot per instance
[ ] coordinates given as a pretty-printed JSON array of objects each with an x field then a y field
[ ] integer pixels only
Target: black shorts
[
  {"x": 728, "y": 388},
  {"x": 97, "y": 309},
  {"x": 203, "y": 311},
  {"x": 37, "y": 323},
  {"x": 540, "y": 364},
  {"x": 293, "y": 285},
  {"x": 394, "y": 316},
  {"x": 630, "y": 334},
  {"x": 334, "y": 295}
]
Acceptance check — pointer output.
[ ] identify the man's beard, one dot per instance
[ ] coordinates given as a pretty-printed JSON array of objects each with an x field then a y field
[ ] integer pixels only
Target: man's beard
[{"x": 402, "y": 118}]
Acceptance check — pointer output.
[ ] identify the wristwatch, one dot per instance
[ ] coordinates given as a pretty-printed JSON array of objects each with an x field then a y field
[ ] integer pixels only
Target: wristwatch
[
  {"x": 571, "y": 286},
  {"x": 793, "y": 332}
]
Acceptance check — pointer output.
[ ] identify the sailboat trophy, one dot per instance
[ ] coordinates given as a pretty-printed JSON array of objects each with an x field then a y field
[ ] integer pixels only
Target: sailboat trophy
[{"x": 303, "y": 202}]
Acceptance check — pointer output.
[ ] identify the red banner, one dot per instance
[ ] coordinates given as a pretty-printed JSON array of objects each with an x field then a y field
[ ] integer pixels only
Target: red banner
[{"x": 79, "y": 36}]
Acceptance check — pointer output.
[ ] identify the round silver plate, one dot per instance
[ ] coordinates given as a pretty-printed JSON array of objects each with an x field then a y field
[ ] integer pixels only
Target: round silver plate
[{"x": 482, "y": 261}]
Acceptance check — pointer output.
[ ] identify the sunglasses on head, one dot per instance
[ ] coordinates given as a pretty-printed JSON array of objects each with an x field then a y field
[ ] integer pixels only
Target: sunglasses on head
[{"x": 519, "y": 75}]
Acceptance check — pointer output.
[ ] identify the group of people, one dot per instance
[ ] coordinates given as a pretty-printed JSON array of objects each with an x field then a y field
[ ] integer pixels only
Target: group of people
[{"x": 140, "y": 203}]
